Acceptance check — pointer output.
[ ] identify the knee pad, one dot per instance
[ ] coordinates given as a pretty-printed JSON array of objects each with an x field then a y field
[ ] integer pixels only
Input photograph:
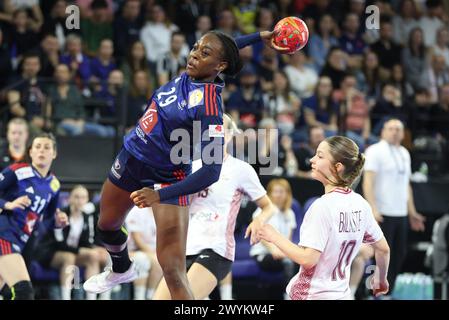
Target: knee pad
[
  {"x": 114, "y": 241},
  {"x": 143, "y": 264},
  {"x": 22, "y": 290}
]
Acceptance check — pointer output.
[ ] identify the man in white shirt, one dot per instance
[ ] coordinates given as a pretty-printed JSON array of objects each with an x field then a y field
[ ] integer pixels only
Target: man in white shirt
[{"x": 386, "y": 186}]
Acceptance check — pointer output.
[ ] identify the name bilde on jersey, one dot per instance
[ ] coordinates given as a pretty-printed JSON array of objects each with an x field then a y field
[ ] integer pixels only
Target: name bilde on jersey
[
  {"x": 177, "y": 105},
  {"x": 19, "y": 180}
]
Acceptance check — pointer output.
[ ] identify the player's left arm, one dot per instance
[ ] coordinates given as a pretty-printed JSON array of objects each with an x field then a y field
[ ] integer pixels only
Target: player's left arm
[
  {"x": 306, "y": 257},
  {"x": 268, "y": 209}
]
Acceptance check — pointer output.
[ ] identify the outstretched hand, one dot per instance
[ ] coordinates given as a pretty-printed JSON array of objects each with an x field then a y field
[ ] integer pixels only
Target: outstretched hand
[
  {"x": 268, "y": 39},
  {"x": 61, "y": 219},
  {"x": 145, "y": 197}
]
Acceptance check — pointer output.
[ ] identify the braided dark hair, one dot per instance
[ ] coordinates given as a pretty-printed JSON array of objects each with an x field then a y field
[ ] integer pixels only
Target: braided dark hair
[{"x": 230, "y": 53}]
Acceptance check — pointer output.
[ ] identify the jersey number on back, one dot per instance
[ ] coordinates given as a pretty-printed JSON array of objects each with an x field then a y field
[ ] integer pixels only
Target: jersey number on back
[{"x": 346, "y": 249}]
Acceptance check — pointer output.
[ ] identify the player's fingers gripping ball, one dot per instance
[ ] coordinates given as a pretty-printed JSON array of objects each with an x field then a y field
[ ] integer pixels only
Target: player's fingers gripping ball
[{"x": 291, "y": 34}]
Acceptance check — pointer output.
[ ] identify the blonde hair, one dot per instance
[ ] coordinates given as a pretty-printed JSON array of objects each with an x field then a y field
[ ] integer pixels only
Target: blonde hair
[
  {"x": 345, "y": 151},
  {"x": 286, "y": 185}
]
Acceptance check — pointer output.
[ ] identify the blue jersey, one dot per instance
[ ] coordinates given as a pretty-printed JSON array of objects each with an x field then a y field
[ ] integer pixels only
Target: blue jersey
[
  {"x": 177, "y": 105},
  {"x": 19, "y": 180}
]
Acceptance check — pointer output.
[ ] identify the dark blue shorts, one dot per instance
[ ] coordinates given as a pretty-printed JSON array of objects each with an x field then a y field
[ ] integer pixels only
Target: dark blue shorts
[{"x": 131, "y": 174}]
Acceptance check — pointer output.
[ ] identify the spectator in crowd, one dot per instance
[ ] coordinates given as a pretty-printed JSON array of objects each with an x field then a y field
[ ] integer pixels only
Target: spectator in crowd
[
  {"x": 142, "y": 249},
  {"x": 246, "y": 104},
  {"x": 431, "y": 21},
  {"x": 96, "y": 27},
  {"x": 370, "y": 77},
  {"x": 36, "y": 20},
  {"x": 336, "y": 66},
  {"x": 245, "y": 14},
  {"x": 156, "y": 34},
  {"x": 303, "y": 79},
  {"x": 434, "y": 76},
  {"x": 306, "y": 151},
  {"x": 398, "y": 80},
  {"x": 419, "y": 113},
  {"x": 65, "y": 104},
  {"x": 187, "y": 15},
  {"x": 321, "y": 41},
  {"x": 282, "y": 104},
  {"x": 127, "y": 28},
  {"x": 139, "y": 92},
  {"x": 287, "y": 158},
  {"x": 315, "y": 9},
  {"x": 103, "y": 64},
  {"x": 203, "y": 25},
  {"x": 268, "y": 65},
  {"x": 414, "y": 57},
  {"x": 27, "y": 99},
  {"x": 49, "y": 55},
  {"x": 5, "y": 61},
  {"x": 169, "y": 64},
  {"x": 321, "y": 109},
  {"x": 440, "y": 115},
  {"x": 386, "y": 186},
  {"x": 405, "y": 21},
  {"x": 227, "y": 23},
  {"x": 21, "y": 38},
  {"x": 78, "y": 62},
  {"x": 87, "y": 11},
  {"x": 135, "y": 61},
  {"x": 441, "y": 46},
  {"x": 264, "y": 21},
  {"x": 268, "y": 256},
  {"x": 56, "y": 25},
  {"x": 351, "y": 40},
  {"x": 355, "y": 113},
  {"x": 74, "y": 245},
  {"x": 14, "y": 149},
  {"x": 388, "y": 52}
]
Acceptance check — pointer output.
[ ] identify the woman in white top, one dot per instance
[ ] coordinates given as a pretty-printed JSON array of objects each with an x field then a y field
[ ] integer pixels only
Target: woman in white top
[
  {"x": 333, "y": 229},
  {"x": 213, "y": 212},
  {"x": 267, "y": 255}
]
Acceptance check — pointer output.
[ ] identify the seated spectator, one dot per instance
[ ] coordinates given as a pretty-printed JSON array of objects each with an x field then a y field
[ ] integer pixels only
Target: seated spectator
[
  {"x": 87, "y": 11},
  {"x": 96, "y": 27},
  {"x": 66, "y": 104},
  {"x": 127, "y": 28},
  {"x": 269, "y": 257},
  {"x": 369, "y": 79},
  {"x": 431, "y": 21},
  {"x": 77, "y": 61},
  {"x": 73, "y": 245},
  {"x": 246, "y": 104},
  {"x": 321, "y": 41},
  {"x": 203, "y": 25},
  {"x": 267, "y": 66},
  {"x": 14, "y": 150},
  {"x": 397, "y": 79},
  {"x": 245, "y": 14},
  {"x": 307, "y": 151},
  {"x": 355, "y": 113},
  {"x": 36, "y": 20},
  {"x": 156, "y": 34},
  {"x": 351, "y": 40},
  {"x": 440, "y": 115},
  {"x": 49, "y": 55},
  {"x": 434, "y": 76},
  {"x": 21, "y": 38},
  {"x": 419, "y": 113},
  {"x": 56, "y": 25},
  {"x": 321, "y": 109},
  {"x": 336, "y": 66},
  {"x": 136, "y": 61},
  {"x": 227, "y": 23},
  {"x": 27, "y": 98},
  {"x": 414, "y": 57},
  {"x": 405, "y": 21},
  {"x": 169, "y": 64},
  {"x": 282, "y": 104},
  {"x": 441, "y": 46},
  {"x": 264, "y": 21},
  {"x": 139, "y": 93},
  {"x": 102, "y": 65},
  {"x": 302, "y": 78},
  {"x": 388, "y": 52},
  {"x": 142, "y": 249}
]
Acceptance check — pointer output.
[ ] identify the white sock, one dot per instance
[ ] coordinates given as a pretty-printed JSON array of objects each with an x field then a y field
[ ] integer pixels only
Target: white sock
[
  {"x": 91, "y": 296},
  {"x": 150, "y": 293},
  {"x": 226, "y": 291},
  {"x": 105, "y": 295},
  {"x": 66, "y": 293},
  {"x": 139, "y": 292}
]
